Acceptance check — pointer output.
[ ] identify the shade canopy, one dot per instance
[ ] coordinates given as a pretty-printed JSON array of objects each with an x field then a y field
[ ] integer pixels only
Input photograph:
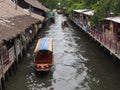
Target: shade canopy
[
  {"x": 43, "y": 44},
  {"x": 114, "y": 19}
]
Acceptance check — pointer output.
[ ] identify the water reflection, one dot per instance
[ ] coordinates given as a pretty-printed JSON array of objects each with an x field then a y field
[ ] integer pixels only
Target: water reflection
[
  {"x": 39, "y": 80},
  {"x": 70, "y": 71}
]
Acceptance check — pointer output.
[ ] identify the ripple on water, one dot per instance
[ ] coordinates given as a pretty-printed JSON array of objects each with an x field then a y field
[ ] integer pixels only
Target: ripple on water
[{"x": 67, "y": 78}]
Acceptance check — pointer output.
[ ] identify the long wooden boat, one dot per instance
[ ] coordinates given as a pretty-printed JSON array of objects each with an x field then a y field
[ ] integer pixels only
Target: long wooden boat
[{"x": 44, "y": 54}]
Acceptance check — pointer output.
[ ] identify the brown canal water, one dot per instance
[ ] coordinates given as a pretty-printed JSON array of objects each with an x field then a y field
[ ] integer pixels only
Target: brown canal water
[{"x": 78, "y": 64}]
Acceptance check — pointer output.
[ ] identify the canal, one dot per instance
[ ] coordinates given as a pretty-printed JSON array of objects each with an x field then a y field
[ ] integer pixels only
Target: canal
[{"x": 78, "y": 64}]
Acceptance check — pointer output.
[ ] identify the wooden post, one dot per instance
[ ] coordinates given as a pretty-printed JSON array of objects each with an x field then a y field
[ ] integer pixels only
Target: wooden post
[
  {"x": 30, "y": 9},
  {"x": 0, "y": 85},
  {"x": 116, "y": 47},
  {"x": 110, "y": 44},
  {"x": 105, "y": 40},
  {"x": 3, "y": 83},
  {"x": 16, "y": 3},
  {"x": 2, "y": 80},
  {"x": 1, "y": 57}
]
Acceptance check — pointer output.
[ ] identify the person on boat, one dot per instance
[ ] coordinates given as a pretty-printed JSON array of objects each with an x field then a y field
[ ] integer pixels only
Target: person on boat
[{"x": 64, "y": 24}]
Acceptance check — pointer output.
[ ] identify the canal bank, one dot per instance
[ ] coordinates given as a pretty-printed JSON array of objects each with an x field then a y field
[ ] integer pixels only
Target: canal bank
[{"x": 107, "y": 35}]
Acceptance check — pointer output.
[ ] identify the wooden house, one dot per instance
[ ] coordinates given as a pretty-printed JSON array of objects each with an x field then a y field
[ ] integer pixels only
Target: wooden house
[
  {"x": 86, "y": 19},
  {"x": 36, "y": 7},
  {"x": 112, "y": 28},
  {"x": 16, "y": 31}
]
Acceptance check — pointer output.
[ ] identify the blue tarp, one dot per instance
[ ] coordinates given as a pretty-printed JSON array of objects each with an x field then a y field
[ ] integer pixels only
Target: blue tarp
[
  {"x": 44, "y": 45},
  {"x": 86, "y": 28},
  {"x": 49, "y": 15}
]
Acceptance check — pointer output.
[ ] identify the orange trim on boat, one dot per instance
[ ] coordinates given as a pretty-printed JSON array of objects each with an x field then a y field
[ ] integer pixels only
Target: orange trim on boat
[{"x": 38, "y": 45}]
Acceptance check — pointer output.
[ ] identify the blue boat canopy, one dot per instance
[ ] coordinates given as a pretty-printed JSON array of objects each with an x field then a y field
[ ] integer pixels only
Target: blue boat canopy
[{"x": 44, "y": 44}]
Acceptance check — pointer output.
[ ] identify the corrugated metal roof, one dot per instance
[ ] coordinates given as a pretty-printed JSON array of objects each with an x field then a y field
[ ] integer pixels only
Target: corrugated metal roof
[
  {"x": 90, "y": 12},
  {"x": 114, "y": 19},
  {"x": 80, "y": 10},
  {"x": 85, "y": 11},
  {"x": 37, "y": 4}
]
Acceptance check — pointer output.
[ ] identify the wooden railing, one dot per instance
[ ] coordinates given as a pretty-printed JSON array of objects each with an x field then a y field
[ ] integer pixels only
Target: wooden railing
[{"x": 110, "y": 43}]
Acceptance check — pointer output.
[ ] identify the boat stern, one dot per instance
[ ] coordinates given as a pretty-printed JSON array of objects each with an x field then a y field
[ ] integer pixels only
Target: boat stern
[{"x": 42, "y": 67}]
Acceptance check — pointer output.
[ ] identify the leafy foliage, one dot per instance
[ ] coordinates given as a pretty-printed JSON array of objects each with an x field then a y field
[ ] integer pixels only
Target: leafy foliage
[
  {"x": 103, "y": 8},
  {"x": 49, "y": 3}
]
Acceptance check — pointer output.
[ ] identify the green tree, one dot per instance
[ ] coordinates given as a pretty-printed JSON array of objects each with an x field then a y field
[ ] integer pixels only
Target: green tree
[
  {"x": 49, "y": 3},
  {"x": 115, "y": 6},
  {"x": 103, "y": 8}
]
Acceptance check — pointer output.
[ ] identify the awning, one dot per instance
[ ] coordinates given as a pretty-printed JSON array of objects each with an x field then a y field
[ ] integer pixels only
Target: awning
[
  {"x": 89, "y": 13},
  {"x": 114, "y": 19},
  {"x": 80, "y": 10}
]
